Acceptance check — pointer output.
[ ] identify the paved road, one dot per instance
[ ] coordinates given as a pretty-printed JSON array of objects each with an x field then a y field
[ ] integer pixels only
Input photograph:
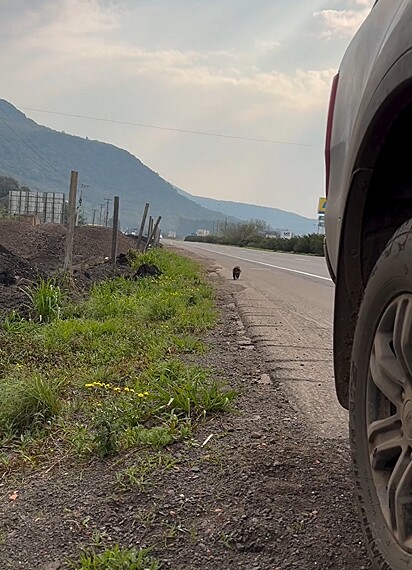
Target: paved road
[{"x": 286, "y": 302}]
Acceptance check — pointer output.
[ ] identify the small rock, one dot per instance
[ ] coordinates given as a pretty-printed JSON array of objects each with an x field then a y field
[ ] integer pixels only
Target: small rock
[
  {"x": 53, "y": 565},
  {"x": 265, "y": 379}
]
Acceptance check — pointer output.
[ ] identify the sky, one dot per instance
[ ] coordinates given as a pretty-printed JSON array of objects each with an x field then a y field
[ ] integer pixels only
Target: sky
[{"x": 253, "y": 69}]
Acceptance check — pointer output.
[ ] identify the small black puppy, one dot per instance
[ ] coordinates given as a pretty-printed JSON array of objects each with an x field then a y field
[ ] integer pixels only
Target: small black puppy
[{"x": 236, "y": 272}]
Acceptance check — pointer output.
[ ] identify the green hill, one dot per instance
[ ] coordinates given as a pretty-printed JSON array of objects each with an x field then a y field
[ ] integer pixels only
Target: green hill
[{"x": 41, "y": 158}]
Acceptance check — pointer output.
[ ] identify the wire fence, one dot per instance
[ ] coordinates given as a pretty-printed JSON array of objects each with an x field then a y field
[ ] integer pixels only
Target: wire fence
[{"x": 48, "y": 206}]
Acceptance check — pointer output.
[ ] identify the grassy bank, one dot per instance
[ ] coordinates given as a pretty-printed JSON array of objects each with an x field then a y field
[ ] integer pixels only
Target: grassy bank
[{"x": 106, "y": 375}]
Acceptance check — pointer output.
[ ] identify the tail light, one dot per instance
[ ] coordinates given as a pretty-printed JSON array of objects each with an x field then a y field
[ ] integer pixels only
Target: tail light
[{"x": 332, "y": 101}]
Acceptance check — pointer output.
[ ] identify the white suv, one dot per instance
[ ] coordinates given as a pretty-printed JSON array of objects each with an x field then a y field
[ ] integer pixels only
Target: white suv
[{"x": 369, "y": 253}]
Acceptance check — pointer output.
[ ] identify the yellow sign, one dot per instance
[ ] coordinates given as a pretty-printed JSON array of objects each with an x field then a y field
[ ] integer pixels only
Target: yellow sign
[{"x": 322, "y": 206}]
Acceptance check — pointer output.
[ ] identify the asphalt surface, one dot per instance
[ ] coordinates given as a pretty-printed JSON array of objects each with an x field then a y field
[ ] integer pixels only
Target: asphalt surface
[{"x": 286, "y": 302}]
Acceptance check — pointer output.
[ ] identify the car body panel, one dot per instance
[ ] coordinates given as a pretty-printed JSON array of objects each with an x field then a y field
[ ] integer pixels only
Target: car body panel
[{"x": 370, "y": 70}]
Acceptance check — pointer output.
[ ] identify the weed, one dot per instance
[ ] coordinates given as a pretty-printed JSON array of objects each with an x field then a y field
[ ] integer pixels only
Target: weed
[
  {"x": 155, "y": 437},
  {"x": 170, "y": 533},
  {"x": 28, "y": 403},
  {"x": 226, "y": 540},
  {"x": 124, "y": 387},
  {"x": 188, "y": 391},
  {"x": 13, "y": 322},
  {"x": 192, "y": 533},
  {"x": 188, "y": 344},
  {"x": 146, "y": 518},
  {"x": 299, "y": 526},
  {"x": 132, "y": 477},
  {"x": 46, "y": 300},
  {"x": 116, "y": 558},
  {"x": 80, "y": 439},
  {"x": 138, "y": 475},
  {"x": 105, "y": 440},
  {"x": 99, "y": 538},
  {"x": 161, "y": 309}
]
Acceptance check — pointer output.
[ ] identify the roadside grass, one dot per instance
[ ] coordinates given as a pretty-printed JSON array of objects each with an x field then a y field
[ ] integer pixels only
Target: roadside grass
[
  {"x": 46, "y": 299},
  {"x": 139, "y": 475},
  {"x": 106, "y": 375},
  {"x": 116, "y": 558}
]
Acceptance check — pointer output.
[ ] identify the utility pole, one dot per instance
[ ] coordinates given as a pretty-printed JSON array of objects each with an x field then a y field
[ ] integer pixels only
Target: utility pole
[
  {"x": 94, "y": 216},
  {"x": 101, "y": 215},
  {"x": 80, "y": 212},
  {"x": 106, "y": 221},
  {"x": 71, "y": 220}
]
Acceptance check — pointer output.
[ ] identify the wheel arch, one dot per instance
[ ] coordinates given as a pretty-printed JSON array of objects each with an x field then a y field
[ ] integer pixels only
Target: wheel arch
[{"x": 379, "y": 201}]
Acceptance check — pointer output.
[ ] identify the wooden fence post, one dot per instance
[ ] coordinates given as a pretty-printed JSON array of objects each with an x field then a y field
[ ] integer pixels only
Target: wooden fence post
[
  {"x": 115, "y": 230},
  {"x": 150, "y": 237},
  {"x": 142, "y": 225},
  {"x": 150, "y": 227},
  {"x": 71, "y": 221},
  {"x": 157, "y": 236}
]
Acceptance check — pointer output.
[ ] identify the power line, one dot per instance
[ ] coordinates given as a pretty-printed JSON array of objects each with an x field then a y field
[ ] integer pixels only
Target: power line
[
  {"x": 22, "y": 137},
  {"x": 175, "y": 130},
  {"x": 19, "y": 150}
]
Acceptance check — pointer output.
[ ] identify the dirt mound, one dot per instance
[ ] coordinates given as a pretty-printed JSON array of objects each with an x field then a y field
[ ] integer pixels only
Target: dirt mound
[
  {"x": 29, "y": 252},
  {"x": 16, "y": 267},
  {"x": 43, "y": 245}
]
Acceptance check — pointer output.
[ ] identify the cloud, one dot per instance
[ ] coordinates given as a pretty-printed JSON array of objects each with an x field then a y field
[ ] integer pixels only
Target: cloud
[
  {"x": 302, "y": 89},
  {"x": 77, "y": 44},
  {"x": 268, "y": 45},
  {"x": 343, "y": 23},
  {"x": 158, "y": 62}
]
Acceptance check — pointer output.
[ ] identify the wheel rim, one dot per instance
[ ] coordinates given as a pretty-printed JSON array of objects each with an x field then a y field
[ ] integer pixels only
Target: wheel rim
[{"x": 389, "y": 417}]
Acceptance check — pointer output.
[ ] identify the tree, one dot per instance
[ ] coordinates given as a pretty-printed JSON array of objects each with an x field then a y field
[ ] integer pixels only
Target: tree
[
  {"x": 7, "y": 184},
  {"x": 303, "y": 245},
  {"x": 244, "y": 233}
]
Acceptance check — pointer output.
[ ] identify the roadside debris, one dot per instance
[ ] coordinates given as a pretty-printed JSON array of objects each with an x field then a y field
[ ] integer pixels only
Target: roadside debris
[
  {"x": 122, "y": 259},
  {"x": 147, "y": 270}
]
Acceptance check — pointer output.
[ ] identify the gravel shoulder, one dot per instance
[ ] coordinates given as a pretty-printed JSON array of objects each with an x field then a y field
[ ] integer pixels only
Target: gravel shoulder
[{"x": 256, "y": 489}]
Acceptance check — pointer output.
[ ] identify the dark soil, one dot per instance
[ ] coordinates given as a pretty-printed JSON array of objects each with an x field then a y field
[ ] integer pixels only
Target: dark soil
[
  {"x": 43, "y": 245},
  {"x": 29, "y": 252},
  {"x": 257, "y": 490}
]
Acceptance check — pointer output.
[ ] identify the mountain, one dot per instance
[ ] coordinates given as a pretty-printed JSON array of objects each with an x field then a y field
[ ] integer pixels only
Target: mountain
[
  {"x": 41, "y": 158},
  {"x": 275, "y": 218}
]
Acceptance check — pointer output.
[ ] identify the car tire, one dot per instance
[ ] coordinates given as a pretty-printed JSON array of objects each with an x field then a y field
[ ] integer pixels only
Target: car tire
[{"x": 380, "y": 406}]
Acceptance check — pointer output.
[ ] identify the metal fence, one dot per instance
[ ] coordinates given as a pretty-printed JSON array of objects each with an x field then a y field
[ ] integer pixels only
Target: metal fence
[{"x": 48, "y": 206}]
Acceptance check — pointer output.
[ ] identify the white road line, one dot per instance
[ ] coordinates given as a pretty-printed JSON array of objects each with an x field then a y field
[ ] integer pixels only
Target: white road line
[{"x": 267, "y": 264}]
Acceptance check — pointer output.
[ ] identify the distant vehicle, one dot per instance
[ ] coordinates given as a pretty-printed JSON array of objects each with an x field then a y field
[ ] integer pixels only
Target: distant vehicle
[{"x": 369, "y": 253}]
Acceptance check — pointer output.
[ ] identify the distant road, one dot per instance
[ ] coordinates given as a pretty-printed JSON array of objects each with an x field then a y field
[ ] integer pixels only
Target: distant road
[{"x": 286, "y": 301}]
